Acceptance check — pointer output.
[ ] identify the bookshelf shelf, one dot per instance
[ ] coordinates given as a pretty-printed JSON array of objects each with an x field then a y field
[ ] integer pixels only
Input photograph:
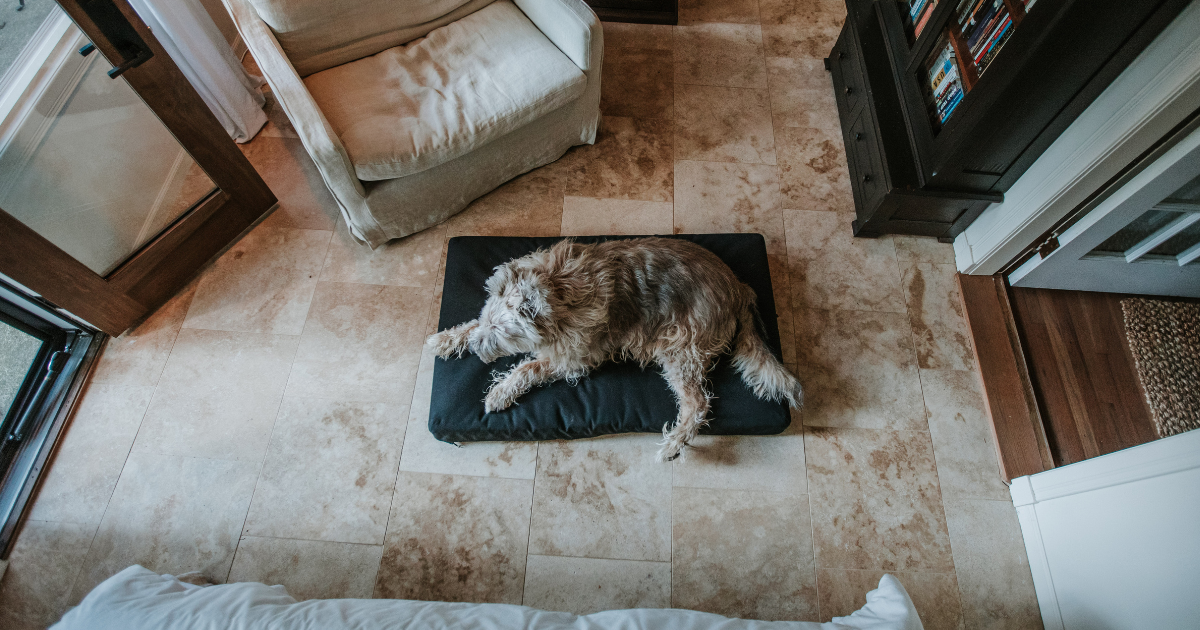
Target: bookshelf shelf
[{"x": 945, "y": 103}]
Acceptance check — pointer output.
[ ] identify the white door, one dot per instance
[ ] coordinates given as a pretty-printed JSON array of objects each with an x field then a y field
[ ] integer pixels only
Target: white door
[{"x": 1144, "y": 238}]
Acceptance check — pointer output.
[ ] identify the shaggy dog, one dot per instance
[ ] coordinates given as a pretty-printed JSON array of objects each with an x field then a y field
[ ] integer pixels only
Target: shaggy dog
[{"x": 652, "y": 300}]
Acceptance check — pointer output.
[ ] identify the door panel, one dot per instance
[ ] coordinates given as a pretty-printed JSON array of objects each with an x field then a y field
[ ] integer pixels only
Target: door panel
[
  {"x": 116, "y": 181},
  {"x": 1144, "y": 238}
]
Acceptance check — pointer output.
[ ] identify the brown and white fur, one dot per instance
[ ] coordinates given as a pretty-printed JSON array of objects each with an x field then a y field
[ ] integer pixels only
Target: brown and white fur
[{"x": 575, "y": 306}]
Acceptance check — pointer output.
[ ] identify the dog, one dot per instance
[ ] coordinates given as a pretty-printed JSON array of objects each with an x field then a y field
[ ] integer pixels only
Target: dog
[{"x": 652, "y": 300}]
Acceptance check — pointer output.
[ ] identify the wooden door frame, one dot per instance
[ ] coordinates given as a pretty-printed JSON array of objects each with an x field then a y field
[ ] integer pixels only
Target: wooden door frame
[{"x": 159, "y": 268}]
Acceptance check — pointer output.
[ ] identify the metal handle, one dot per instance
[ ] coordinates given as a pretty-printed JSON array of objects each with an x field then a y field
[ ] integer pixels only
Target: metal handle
[
  {"x": 857, "y": 136},
  {"x": 130, "y": 63},
  {"x": 866, "y": 178},
  {"x": 53, "y": 367},
  {"x": 849, "y": 90},
  {"x": 841, "y": 55}
]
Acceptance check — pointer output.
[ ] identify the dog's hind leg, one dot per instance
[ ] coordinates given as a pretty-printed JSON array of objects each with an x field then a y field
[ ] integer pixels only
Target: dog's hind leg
[
  {"x": 525, "y": 376},
  {"x": 452, "y": 341},
  {"x": 685, "y": 375}
]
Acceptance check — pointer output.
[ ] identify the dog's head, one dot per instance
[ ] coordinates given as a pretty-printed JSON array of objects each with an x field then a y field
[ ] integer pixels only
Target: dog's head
[{"x": 511, "y": 319}]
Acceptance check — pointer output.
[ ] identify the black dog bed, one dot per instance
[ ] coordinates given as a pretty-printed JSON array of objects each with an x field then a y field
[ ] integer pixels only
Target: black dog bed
[{"x": 614, "y": 398}]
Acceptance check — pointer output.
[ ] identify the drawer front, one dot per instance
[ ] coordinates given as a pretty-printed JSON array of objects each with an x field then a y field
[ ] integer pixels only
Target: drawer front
[
  {"x": 867, "y": 175},
  {"x": 846, "y": 61}
]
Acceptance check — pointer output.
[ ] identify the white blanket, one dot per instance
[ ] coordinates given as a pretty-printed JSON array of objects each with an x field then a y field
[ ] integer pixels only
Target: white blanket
[{"x": 137, "y": 599}]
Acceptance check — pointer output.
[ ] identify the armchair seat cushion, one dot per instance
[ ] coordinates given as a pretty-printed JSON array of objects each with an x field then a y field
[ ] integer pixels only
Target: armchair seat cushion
[{"x": 413, "y": 107}]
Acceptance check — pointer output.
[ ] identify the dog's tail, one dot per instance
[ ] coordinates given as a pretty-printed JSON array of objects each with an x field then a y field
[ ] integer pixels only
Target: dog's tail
[{"x": 765, "y": 375}]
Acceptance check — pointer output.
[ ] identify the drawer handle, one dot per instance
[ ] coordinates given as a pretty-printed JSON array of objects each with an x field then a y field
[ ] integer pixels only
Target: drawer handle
[
  {"x": 849, "y": 90},
  {"x": 857, "y": 136},
  {"x": 866, "y": 178}
]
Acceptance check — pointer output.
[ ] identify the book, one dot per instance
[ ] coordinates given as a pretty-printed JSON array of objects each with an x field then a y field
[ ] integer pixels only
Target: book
[
  {"x": 914, "y": 9},
  {"x": 978, "y": 16},
  {"x": 941, "y": 66},
  {"x": 1001, "y": 29},
  {"x": 995, "y": 48},
  {"x": 965, "y": 17},
  {"x": 985, "y": 24},
  {"x": 924, "y": 20},
  {"x": 952, "y": 75},
  {"x": 951, "y": 103}
]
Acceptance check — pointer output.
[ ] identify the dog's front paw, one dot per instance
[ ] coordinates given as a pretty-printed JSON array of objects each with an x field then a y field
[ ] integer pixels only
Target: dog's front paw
[
  {"x": 446, "y": 344},
  {"x": 497, "y": 400}
]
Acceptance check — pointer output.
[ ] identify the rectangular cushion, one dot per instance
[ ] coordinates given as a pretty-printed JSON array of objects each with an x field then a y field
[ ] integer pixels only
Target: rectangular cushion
[
  {"x": 321, "y": 34},
  {"x": 616, "y": 397},
  {"x": 412, "y": 107}
]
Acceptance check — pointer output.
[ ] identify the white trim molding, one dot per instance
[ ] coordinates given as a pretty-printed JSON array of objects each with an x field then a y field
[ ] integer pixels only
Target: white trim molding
[
  {"x": 1112, "y": 540},
  {"x": 1153, "y": 95}
]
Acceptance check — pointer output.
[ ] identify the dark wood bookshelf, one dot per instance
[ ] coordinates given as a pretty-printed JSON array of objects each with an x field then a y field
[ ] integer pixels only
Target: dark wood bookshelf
[{"x": 1040, "y": 66}]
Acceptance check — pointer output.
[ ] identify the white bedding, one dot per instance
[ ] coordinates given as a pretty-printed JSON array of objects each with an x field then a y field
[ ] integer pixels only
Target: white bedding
[{"x": 137, "y": 599}]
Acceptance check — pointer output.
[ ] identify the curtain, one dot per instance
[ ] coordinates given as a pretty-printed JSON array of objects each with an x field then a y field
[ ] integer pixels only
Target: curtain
[{"x": 194, "y": 43}]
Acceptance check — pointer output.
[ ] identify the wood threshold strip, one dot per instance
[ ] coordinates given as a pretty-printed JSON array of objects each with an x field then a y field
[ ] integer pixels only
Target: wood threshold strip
[{"x": 1008, "y": 391}]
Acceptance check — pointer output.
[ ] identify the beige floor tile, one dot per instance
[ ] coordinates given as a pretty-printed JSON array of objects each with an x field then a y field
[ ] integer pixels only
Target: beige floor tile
[
  {"x": 529, "y": 205},
  {"x": 456, "y": 538},
  {"x": 935, "y": 595},
  {"x": 329, "y": 472},
  {"x": 92, "y": 452},
  {"x": 858, "y": 369},
  {"x": 781, "y": 285},
  {"x": 729, "y": 11},
  {"x": 602, "y": 498},
  {"x": 831, "y": 268},
  {"x": 361, "y": 342},
  {"x": 993, "y": 570},
  {"x": 262, "y": 284},
  {"x": 637, "y": 82},
  {"x": 812, "y": 170},
  {"x": 411, "y": 261},
  {"x": 625, "y": 35},
  {"x": 743, "y": 554},
  {"x": 587, "y": 216},
  {"x": 730, "y": 55},
  {"x": 218, "y": 395},
  {"x": 801, "y": 28},
  {"x": 137, "y": 357},
  {"x": 304, "y": 200},
  {"x": 924, "y": 249},
  {"x": 713, "y": 197},
  {"x": 772, "y": 463},
  {"x": 962, "y": 436},
  {"x": 586, "y": 585},
  {"x": 42, "y": 566},
  {"x": 720, "y": 124},
  {"x": 171, "y": 515},
  {"x": 631, "y": 159},
  {"x": 875, "y": 501},
  {"x": 935, "y": 310},
  {"x": 802, "y": 93},
  {"x": 309, "y": 569}
]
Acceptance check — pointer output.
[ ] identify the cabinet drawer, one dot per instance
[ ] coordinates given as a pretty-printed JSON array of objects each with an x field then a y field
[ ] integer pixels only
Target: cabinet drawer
[
  {"x": 862, "y": 151},
  {"x": 847, "y": 68}
]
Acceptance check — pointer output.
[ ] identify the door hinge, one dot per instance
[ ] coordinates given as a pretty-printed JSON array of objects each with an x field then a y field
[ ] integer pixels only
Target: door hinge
[{"x": 1048, "y": 246}]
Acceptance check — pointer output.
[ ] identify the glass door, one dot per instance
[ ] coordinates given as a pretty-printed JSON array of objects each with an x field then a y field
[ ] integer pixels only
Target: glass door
[{"x": 116, "y": 181}]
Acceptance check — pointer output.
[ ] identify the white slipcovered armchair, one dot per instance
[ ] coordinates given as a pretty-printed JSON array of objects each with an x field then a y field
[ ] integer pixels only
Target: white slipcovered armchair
[{"x": 411, "y": 109}]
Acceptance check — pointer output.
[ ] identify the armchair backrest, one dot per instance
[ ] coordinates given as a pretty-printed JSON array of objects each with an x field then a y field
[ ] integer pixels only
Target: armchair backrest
[{"x": 321, "y": 34}]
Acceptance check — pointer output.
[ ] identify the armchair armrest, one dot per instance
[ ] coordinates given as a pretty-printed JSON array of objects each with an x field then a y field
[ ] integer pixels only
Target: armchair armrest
[
  {"x": 570, "y": 25},
  {"x": 315, "y": 133}
]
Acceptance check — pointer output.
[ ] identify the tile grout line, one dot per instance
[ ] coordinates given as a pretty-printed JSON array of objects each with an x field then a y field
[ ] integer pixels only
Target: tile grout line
[{"x": 529, "y": 530}]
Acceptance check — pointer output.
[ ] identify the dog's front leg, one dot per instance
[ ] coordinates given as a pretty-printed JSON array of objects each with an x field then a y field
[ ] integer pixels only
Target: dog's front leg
[
  {"x": 525, "y": 376},
  {"x": 452, "y": 341}
]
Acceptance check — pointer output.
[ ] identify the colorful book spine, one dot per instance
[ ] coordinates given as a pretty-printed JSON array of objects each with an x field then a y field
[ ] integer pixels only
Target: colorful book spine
[
  {"x": 914, "y": 9},
  {"x": 984, "y": 27},
  {"x": 924, "y": 20},
  {"x": 995, "y": 48}
]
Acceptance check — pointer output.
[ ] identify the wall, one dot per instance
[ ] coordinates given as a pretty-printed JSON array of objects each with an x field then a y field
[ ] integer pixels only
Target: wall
[{"x": 1114, "y": 542}]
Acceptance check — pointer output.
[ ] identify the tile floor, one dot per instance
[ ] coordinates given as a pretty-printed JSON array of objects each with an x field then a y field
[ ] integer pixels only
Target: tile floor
[{"x": 269, "y": 422}]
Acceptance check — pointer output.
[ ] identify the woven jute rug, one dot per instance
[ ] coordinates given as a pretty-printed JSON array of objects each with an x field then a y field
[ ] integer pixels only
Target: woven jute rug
[{"x": 1165, "y": 340}]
